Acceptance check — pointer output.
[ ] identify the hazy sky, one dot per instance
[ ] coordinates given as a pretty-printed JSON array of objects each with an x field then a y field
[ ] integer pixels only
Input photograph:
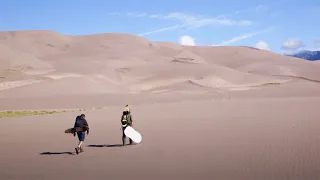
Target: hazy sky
[{"x": 281, "y": 25}]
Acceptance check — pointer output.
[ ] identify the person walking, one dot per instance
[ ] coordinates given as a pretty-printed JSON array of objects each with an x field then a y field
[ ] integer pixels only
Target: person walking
[
  {"x": 126, "y": 120},
  {"x": 81, "y": 122}
]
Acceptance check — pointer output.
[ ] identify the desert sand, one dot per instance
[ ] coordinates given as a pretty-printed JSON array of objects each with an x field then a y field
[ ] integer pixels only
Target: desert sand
[{"x": 204, "y": 112}]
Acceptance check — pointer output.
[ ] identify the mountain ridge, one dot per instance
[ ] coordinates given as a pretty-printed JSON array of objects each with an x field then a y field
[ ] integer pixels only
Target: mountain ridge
[{"x": 308, "y": 55}]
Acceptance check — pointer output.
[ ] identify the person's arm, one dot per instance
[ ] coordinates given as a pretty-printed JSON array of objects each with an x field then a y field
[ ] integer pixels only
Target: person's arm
[
  {"x": 86, "y": 125},
  {"x": 121, "y": 122},
  {"x": 121, "y": 119},
  {"x": 74, "y": 126},
  {"x": 75, "y": 123}
]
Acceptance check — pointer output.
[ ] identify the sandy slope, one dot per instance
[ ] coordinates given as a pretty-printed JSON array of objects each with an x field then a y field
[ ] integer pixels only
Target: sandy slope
[
  {"x": 204, "y": 112},
  {"x": 238, "y": 139},
  {"x": 128, "y": 63}
]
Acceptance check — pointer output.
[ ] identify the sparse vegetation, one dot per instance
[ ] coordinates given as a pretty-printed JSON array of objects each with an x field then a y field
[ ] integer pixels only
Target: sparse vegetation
[
  {"x": 4, "y": 114},
  {"x": 16, "y": 113}
]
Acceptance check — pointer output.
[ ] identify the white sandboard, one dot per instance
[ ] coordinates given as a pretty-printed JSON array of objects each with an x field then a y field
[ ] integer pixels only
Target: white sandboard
[{"x": 133, "y": 134}]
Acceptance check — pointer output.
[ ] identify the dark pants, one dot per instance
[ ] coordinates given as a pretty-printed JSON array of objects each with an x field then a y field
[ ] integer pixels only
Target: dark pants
[
  {"x": 81, "y": 136},
  {"x": 124, "y": 137}
]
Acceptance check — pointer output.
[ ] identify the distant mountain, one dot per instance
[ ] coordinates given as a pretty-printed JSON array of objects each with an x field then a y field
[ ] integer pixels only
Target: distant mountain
[{"x": 308, "y": 55}]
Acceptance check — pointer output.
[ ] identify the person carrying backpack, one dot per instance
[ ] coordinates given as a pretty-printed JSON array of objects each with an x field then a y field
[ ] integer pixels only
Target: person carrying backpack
[{"x": 81, "y": 122}]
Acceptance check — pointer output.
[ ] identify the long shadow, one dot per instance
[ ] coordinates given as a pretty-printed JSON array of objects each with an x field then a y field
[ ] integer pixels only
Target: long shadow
[
  {"x": 57, "y": 153},
  {"x": 105, "y": 145}
]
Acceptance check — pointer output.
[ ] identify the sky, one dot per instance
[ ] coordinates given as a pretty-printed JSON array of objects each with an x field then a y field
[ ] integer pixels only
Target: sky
[{"x": 281, "y": 26}]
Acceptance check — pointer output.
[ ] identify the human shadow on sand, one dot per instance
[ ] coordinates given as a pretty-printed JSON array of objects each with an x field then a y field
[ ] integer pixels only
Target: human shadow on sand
[
  {"x": 105, "y": 145},
  {"x": 109, "y": 145},
  {"x": 56, "y": 153}
]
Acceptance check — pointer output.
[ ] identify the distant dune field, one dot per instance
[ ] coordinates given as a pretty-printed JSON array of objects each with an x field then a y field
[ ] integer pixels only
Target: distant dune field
[{"x": 217, "y": 113}]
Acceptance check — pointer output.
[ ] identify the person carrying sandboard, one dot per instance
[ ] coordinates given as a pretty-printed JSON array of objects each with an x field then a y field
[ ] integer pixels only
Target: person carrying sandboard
[
  {"x": 81, "y": 122},
  {"x": 126, "y": 120}
]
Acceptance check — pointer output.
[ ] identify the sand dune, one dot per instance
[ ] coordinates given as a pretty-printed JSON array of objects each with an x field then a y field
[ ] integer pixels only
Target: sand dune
[
  {"x": 114, "y": 63},
  {"x": 117, "y": 55},
  {"x": 204, "y": 112}
]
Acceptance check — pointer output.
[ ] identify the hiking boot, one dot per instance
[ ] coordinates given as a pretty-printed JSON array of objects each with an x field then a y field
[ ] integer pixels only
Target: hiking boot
[{"x": 77, "y": 150}]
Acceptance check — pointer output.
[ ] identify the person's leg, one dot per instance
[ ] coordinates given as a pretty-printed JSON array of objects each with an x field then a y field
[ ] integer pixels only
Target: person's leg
[
  {"x": 80, "y": 143},
  {"x": 81, "y": 149},
  {"x": 123, "y": 137},
  {"x": 82, "y": 140},
  {"x": 81, "y": 137}
]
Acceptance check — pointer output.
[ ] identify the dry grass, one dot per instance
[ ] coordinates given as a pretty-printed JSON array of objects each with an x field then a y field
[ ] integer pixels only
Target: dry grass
[
  {"x": 4, "y": 114},
  {"x": 17, "y": 113}
]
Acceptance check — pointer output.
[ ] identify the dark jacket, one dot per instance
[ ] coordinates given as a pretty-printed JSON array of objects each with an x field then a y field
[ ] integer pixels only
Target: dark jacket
[{"x": 81, "y": 122}]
